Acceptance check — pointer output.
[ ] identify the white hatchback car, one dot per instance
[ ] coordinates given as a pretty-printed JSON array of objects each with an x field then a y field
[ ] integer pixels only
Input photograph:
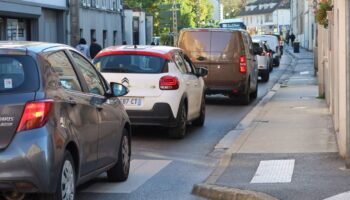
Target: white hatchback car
[
  {"x": 274, "y": 44},
  {"x": 165, "y": 87}
]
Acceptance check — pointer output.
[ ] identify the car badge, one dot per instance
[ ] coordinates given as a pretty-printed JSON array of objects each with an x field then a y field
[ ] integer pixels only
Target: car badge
[{"x": 125, "y": 82}]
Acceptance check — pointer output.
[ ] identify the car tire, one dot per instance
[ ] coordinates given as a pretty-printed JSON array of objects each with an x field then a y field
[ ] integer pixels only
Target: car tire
[
  {"x": 254, "y": 94},
  {"x": 245, "y": 98},
  {"x": 201, "y": 119},
  {"x": 265, "y": 76},
  {"x": 179, "y": 131},
  {"x": 66, "y": 182},
  {"x": 120, "y": 171}
]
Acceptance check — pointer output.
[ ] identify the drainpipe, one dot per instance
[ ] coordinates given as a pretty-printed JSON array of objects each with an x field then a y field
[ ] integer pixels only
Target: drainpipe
[
  {"x": 122, "y": 17},
  {"x": 347, "y": 115}
]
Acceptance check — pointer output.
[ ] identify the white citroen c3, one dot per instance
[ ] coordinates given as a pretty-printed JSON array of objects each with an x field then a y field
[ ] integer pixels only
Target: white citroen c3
[{"x": 165, "y": 87}]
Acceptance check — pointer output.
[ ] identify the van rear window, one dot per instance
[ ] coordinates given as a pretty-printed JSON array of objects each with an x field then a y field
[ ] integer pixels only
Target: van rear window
[
  {"x": 18, "y": 74},
  {"x": 130, "y": 63}
]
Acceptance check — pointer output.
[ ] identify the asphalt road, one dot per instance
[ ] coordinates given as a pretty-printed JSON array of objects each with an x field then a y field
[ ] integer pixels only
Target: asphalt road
[{"x": 168, "y": 168}]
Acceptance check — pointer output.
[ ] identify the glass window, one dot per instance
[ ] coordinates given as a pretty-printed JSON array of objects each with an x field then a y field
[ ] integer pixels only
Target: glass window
[
  {"x": 18, "y": 74},
  {"x": 62, "y": 66},
  {"x": 130, "y": 64},
  {"x": 180, "y": 63},
  {"x": 189, "y": 66},
  {"x": 91, "y": 77}
]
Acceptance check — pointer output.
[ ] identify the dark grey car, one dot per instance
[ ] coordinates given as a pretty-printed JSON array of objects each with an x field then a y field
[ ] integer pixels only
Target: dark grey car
[{"x": 61, "y": 124}]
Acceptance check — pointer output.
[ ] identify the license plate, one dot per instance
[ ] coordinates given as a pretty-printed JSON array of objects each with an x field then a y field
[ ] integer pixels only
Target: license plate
[{"x": 138, "y": 102}]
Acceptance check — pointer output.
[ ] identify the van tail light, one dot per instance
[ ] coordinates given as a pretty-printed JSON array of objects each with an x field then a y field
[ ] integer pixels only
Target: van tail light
[
  {"x": 35, "y": 115},
  {"x": 169, "y": 83},
  {"x": 243, "y": 64}
]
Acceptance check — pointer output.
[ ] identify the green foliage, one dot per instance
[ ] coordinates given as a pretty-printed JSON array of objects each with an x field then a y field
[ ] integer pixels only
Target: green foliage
[
  {"x": 232, "y": 7},
  {"x": 191, "y": 13},
  {"x": 321, "y": 12}
]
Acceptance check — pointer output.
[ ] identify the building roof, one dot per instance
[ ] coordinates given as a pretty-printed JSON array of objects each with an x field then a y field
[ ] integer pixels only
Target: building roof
[{"x": 279, "y": 4}]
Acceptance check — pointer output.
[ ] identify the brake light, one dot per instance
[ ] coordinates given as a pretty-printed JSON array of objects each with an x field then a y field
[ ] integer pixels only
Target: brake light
[
  {"x": 243, "y": 64},
  {"x": 35, "y": 115},
  {"x": 169, "y": 83}
]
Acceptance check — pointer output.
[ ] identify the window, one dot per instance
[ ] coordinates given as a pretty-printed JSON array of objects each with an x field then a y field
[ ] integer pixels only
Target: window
[
  {"x": 64, "y": 69},
  {"x": 104, "y": 41},
  {"x": 268, "y": 18},
  {"x": 91, "y": 77},
  {"x": 188, "y": 65},
  {"x": 81, "y": 33},
  {"x": 115, "y": 37},
  {"x": 18, "y": 74},
  {"x": 180, "y": 63},
  {"x": 92, "y": 34}
]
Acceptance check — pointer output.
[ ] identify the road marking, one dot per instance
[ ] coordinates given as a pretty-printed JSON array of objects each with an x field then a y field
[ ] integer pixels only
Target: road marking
[
  {"x": 140, "y": 172},
  {"x": 342, "y": 196},
  {"x": 274, "y": 171}
]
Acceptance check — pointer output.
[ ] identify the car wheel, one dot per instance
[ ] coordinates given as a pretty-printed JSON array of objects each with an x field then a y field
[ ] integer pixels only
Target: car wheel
[
  {"x": 200, "y": 120},
  {"x": 66, "y": 182},
  {"x": 179, "y": 131},
  {"x": 254, "y": 95},
  {"x": 120, "y": 171},
  {"x": 265, "y": 76},
  {"x": 245, "y": 98}
]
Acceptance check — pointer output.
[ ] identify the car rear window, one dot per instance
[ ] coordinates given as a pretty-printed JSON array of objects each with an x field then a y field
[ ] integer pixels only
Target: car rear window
[
  {"x": 18, "y": 74},
  {"x": 194, "y": 41},
  {"x": 130, "y": 63}
]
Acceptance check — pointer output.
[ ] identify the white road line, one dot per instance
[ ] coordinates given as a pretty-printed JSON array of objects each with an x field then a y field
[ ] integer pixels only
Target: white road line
[
  {"x": 140, "y": 172},
  {"x": 274, "y": 171},
  {"x": 342, "y": 196}
]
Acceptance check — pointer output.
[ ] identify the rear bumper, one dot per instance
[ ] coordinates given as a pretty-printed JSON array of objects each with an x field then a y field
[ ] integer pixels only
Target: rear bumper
[
  {"x": 263, "y": 71},
  {"x": 160, "y": 115},
  {"x": 26, "y": 164},
  {"x": 237, "y": 88}
]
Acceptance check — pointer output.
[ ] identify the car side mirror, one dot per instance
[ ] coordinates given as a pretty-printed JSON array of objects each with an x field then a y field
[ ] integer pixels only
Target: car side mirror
[
  {"x": 118, "y": 89},
  {"x": 201, "y": 71}
]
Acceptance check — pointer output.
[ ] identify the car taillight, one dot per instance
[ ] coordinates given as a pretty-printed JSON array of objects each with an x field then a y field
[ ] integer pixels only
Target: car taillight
[
  {"x": 169, "y": 83},
  {"x": 243, "y": 64},
  {"x": 263, "y": 53},
  {"x": 35, "y": 115}
]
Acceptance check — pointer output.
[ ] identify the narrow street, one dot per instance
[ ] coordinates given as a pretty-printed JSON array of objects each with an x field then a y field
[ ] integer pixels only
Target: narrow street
[{"x": 163, "y": 168}]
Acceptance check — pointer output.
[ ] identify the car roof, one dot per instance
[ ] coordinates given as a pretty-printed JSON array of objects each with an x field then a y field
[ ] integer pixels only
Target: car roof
[
  {"x": 23, "y": 47},
  {"x": 158, "y": 51},
  {"x": 212, "y": 30}
]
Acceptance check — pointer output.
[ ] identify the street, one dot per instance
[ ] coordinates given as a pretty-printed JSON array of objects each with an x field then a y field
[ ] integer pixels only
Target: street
[{"x": 169, "y": 168}]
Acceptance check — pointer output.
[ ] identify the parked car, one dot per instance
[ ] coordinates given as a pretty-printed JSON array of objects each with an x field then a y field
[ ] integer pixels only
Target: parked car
[
  {"x": 165, "y": 87},
  {"x": 61, "y": 124},
  {"x": 263, "y": 60},
  {"x": 230, "y": 58},
  {"x": 268, "y": 52},
  {"x": 274, "y": 44}
]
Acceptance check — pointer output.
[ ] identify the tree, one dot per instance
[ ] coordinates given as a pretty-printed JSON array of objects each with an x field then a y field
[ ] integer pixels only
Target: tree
[{"x": 232, "y": 7}]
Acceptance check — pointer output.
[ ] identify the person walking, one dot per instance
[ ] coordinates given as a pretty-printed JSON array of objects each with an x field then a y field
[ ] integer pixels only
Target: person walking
[
  {"x": 94, "y": 48},
  {"x": 83, "y": 48},
  {"x": 292, "y": 38},
  {"x": 287, "y": 38}
]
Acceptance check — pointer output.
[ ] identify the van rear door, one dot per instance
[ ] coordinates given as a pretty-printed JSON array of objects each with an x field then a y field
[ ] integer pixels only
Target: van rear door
[{"x": 225, "y": 54}]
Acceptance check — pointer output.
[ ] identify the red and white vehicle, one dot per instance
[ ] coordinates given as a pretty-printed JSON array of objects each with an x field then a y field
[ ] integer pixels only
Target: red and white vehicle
[{"x": 165, "y": 87}]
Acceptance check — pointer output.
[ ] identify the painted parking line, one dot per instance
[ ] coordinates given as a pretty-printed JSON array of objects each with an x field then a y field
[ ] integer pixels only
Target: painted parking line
[
  {"x": 140, "y": 172},
  {"x": 274, "y": 171},
  {"x": 342, "y": 196}
]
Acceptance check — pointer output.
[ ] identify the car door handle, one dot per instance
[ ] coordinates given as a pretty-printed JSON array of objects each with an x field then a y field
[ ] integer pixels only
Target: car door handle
[
  {"x": 99, "y": 108},
  {"x": 201, "y": 58},
  {"x": 71, "y": 102}
]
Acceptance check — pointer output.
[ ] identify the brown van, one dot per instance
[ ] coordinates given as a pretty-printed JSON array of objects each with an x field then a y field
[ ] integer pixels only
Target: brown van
[{"x": 229, "y": 57}]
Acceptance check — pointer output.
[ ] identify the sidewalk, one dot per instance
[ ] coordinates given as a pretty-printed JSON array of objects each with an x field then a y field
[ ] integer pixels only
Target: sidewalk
[{"x": 289, "y": 149}]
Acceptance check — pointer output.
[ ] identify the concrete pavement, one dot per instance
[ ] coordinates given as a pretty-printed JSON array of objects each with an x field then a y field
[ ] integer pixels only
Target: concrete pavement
[{"x": 286, "y": 149}]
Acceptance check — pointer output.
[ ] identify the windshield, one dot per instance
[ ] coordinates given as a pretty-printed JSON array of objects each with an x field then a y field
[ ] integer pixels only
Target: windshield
[{"x": 130, "y": 64}]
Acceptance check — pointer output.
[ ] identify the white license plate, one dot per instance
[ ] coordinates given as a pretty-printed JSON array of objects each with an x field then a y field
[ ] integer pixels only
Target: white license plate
[{"x": 132, "y": 101}]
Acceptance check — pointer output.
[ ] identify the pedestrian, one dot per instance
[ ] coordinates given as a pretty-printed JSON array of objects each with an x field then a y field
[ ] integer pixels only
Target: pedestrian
[
  {"x": 153, "y": 44},
  {"x": 292, "y": 38},
  {"x": 83, "y": 48},
  {"x": 94, "y": 48},
  {"x": 287, "y": 38},
  {"x": 124, "y": 42}
]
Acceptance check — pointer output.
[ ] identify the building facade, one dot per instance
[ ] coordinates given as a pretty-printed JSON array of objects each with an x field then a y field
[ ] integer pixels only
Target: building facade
[
  {"x": 333, "y": 50},
  {"x": 138, "y": 27},
  {"x": 218, "y": 10},
  {"x": 267, "y": 16},
  {"x": 303, "y": 22},
  {"x": 34, "y": 20},
  {"x": 99, "y": 19}
]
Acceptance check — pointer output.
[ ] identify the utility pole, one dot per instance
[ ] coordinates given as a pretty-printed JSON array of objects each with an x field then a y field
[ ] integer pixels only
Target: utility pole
[{"x": 175, "y": 32}]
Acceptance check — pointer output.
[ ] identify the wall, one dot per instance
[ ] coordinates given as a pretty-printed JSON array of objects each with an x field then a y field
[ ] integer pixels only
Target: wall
[
  {"x": 57, "y": 3},
  {"x": 100, "y": 21}
]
